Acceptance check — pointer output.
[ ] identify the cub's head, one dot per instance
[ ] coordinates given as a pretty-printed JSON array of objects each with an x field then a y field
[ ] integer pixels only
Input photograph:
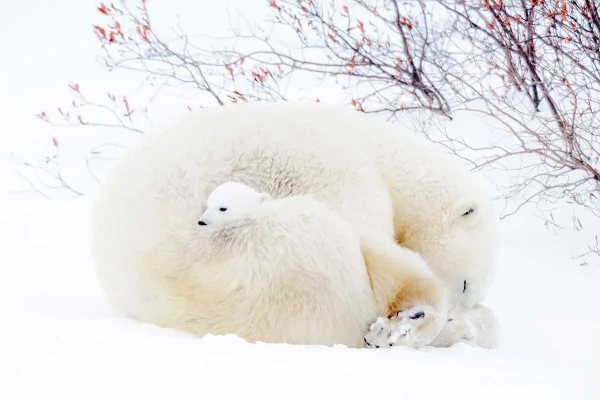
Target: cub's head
[{"x": 231, "y": 201}]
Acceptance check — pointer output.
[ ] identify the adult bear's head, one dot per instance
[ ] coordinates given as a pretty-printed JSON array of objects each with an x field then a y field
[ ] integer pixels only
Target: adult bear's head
[{"x": 455, "y": 231}]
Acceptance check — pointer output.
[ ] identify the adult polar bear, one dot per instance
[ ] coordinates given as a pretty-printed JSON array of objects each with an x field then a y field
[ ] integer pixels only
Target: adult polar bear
[{"x": 389, "y": 185}]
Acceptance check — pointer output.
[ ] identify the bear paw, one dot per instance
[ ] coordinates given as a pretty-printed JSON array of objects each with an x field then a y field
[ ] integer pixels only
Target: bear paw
[
  {"x": 414, "y": 327},
  {"x": 477, "y": 327}
]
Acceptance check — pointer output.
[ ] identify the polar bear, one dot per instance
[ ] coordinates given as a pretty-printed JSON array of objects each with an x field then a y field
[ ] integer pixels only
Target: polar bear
[
  {"x": 231, "y": 201},
  {"x": 416, "y": 211}
]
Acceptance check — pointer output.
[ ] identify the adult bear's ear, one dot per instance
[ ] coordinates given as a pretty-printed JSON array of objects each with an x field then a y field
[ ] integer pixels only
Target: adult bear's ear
[{"x": 264, "y": 197}]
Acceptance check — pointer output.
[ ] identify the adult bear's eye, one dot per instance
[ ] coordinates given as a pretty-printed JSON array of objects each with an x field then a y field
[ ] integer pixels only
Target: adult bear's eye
[
  {"x": 222, "y": 209},
  {"x": 469, "y": 211}
]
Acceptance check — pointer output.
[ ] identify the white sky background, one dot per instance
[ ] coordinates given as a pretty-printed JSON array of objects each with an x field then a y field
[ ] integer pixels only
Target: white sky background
[{"x": 47, "y": 45}]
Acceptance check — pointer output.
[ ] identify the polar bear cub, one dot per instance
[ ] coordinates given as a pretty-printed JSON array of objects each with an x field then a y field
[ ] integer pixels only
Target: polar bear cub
[
  {"x": 285, "y": 270},
  {"x": 230, "y": 201}
]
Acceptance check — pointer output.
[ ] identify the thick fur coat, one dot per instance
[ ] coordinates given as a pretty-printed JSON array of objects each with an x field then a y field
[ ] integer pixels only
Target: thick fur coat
[{"x": 416, "y": 220}]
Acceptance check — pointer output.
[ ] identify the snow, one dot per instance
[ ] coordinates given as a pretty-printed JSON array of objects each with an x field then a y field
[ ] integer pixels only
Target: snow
[{"x": 61, "y": 340}]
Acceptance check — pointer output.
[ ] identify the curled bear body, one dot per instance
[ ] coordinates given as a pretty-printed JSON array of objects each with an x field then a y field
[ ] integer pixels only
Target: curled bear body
[{"x": 424, "y": 226}]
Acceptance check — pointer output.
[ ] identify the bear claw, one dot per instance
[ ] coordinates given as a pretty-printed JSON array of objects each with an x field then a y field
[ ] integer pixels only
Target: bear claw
[
  {"x": 418, "y": 315},
  {"x": 404, "y": 328}
]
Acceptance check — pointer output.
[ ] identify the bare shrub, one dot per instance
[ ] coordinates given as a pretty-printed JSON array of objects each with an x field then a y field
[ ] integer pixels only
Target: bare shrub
[{"x": 531, "y": 68}]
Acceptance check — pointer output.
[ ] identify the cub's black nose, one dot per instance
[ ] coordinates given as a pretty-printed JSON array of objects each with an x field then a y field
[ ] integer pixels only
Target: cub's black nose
[{"x": 201, "y": 223}]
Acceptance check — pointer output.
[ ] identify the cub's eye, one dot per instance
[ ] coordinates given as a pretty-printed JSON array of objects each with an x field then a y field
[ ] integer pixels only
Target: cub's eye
[
  {"x": 222, "y": 209},
  {"x": 469, "y": 211}
]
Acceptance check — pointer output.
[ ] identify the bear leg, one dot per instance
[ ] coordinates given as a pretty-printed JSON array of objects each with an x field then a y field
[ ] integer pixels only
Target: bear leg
[{"x": 412, "y": 301}]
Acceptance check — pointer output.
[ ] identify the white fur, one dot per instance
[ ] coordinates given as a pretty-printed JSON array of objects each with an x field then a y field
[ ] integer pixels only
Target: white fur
[
  {"x": 250, "y": 277},
  {"x": 229, "y": 202},
  {"x": 387, "y": 184}
]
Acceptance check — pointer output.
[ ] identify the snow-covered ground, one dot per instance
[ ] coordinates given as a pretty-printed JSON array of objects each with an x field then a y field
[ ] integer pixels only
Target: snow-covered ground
[{"x": 60, "y": 339}]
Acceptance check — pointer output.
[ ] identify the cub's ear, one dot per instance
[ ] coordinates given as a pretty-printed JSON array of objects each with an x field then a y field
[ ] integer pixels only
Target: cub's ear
[{"x": 264, "y": 197}]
